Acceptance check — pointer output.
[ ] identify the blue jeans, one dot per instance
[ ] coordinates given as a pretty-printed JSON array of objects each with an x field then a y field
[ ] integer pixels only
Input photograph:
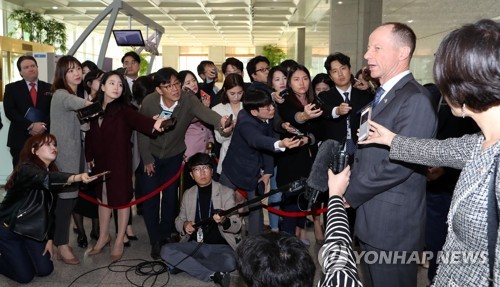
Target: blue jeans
[
  {"x": 160, "y": 223},
  {"x": 21, "y": 258},
  {"x": 274, "y": 201}
]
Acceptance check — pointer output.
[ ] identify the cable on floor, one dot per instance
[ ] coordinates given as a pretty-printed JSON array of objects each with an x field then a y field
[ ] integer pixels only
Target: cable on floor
[{"x": 149, "y": 269}]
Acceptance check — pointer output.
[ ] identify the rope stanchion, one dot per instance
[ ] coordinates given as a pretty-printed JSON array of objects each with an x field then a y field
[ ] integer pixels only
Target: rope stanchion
[
  {"x": 286, "y": 213},
  {"x": 293, "y": 214},
  {"x": 141, "y": 199}
]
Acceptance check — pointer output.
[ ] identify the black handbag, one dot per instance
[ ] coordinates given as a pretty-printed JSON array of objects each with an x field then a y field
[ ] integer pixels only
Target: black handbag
[{"x": 32, "y": 218}]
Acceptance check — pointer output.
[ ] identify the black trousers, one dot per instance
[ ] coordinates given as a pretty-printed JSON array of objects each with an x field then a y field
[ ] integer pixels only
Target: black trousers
[
  {"x": 380, "y": 274},
  {"x": 64, "y": 208},
  {"x": 14, "y": 152}
]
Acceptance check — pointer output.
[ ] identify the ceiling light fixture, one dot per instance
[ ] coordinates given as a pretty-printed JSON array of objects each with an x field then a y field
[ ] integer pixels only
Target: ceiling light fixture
[
  {"x": 340, "y": 2},
  {"x": 410, "y": 21},
  {"x": 55, "y": 7}
]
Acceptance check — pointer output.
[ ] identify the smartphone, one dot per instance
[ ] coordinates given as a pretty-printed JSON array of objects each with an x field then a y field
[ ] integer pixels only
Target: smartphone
[
  {"x": 318, "y": 102},
  {"x": 229, "y": 121},
  {"x": 364, "y": 127},
  {"x": 299, "y": 133},
  {"x": 216, "y": 72},
  {"x": 205, "y": 98},
  {"x": 297, "y": 137},
  {"x": 165, "y": 114},
  {"x": 283, "y": 93}
]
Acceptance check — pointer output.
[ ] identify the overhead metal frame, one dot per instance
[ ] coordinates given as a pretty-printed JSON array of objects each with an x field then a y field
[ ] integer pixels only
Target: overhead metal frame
[{"x": 113, "y": 9}]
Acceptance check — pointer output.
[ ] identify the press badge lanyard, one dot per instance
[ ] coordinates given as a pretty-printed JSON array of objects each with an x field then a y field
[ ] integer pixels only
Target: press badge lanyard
[{"x": 199, "y": 233}]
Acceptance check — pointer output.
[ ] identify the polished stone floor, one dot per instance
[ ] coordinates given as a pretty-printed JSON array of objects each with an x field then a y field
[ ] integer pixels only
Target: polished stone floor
[{"x": 96, "y": 270}]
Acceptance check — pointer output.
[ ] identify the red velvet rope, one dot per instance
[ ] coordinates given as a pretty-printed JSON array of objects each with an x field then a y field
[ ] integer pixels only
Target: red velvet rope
[
  {"x": 176, "y": 176},
  {"x": 294, "y": 214},
  {"x": 139, "y": 200}
]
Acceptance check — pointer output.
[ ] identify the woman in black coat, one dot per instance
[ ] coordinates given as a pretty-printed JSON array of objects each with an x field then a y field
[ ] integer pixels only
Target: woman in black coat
[
  {"x": 299, "y": 110},
  {"x": 22, "y": 257}
]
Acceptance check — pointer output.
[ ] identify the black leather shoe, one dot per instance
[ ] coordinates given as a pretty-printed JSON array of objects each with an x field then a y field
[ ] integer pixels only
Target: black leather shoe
[
  {"x": 221, "y": 278},
  {"x": 82, "y": 241},
  {"x": 155, "y": 250},
  {"x": 164, "y": 241},
  {"x": 132, "y": 237},
  {"x": 175, "y": 270},
  {"x": 94, "y": 235}
]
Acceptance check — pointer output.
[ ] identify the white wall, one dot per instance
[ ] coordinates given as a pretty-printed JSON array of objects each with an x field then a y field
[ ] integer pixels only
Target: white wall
[{"x": 5, "y": 157}]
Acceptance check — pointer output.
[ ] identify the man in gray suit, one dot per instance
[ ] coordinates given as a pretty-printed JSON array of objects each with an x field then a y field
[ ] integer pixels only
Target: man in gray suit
[{"x": 389, "y": 196}]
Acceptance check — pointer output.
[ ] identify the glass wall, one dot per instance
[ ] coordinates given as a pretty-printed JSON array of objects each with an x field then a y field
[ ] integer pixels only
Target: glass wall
[{"x": 190, "y": 57}]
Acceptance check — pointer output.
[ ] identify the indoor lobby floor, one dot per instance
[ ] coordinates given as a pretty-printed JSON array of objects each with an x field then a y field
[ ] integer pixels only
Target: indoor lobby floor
[{"x": 94, "y": 271}]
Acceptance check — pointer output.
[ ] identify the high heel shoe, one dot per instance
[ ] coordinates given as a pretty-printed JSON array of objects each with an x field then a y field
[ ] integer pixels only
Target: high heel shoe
[
  {"x": 95, "y": 250},
  {"x": 117, "y": 256},
  {"x": 69, "y": 261},
  {"x": 82, "y": 241}
]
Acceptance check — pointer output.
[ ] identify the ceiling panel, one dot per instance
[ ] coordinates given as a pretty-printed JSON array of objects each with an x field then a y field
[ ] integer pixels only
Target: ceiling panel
[{"x": 204, "y": 22}]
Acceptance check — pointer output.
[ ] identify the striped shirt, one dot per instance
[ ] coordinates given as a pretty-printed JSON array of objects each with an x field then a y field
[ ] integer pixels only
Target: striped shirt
[{"x": 336, "y": 257}]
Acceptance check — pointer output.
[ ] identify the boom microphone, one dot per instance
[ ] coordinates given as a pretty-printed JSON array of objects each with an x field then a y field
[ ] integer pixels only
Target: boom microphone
[{"x": 318, "y": 177}]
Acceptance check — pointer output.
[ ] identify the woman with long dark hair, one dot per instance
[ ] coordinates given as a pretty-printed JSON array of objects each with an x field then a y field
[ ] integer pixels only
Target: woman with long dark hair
[
  {"x": 83, "y": 207},
  {"x": 198, "y": 135},
  {"x": 231, "y": 104},
  {"x": 108, "y": 148},
  {"x": 300, "y": 111},
  {"x": 22, "y": 257},
  {"x": 67, "y": 128}
]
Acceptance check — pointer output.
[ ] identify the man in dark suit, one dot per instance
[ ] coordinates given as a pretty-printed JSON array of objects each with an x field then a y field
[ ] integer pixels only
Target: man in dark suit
[
  {"x": 342, "y": 103},
  {"x": 250, "y": 151},
  {"x": 390, "y": 196},
  {"x": 341, "y": 115},
  {"x": 18, "y": 98},
  {"x": 132, "y": 64}
]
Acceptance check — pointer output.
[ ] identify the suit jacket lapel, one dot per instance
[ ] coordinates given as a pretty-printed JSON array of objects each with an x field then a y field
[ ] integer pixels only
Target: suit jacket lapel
[
  {"x": 25, "y": 93},
  {"x": 385, "y": 102}
]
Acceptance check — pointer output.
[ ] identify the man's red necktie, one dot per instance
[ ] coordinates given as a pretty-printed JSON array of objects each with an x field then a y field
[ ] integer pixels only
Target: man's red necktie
[{"x": 33, "y": 94}]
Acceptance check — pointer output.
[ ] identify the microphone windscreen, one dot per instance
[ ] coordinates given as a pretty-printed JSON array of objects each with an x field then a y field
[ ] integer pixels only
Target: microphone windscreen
[{"x": 318, "y": 177}]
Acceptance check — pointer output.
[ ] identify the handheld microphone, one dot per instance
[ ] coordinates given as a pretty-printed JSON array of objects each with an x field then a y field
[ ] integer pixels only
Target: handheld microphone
[{"x": 318, "y": 177}]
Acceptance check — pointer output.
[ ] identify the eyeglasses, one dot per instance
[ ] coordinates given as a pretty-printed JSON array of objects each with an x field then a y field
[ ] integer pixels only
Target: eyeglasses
[
  {"x": 169, "y": 87},
  {"x": 266, "y": 69},
  {"x": 200, "y": 168},
  {"x": 268, "y": 108}
]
